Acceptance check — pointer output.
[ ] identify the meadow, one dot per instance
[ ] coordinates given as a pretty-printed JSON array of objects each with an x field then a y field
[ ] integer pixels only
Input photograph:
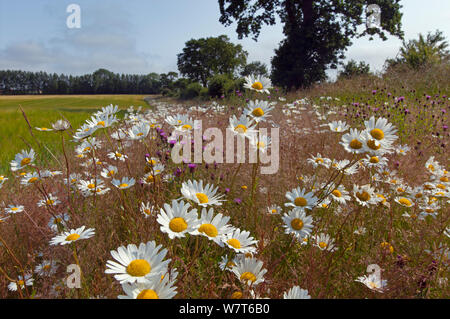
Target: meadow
[
  {"x": 44, "y": 109},
  {"x": 372, "y": 189}
]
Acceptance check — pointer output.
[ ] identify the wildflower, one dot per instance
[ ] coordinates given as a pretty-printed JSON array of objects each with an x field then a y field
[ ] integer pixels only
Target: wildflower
[
  {"x": 242, "y": 126},
  {"x": 109, "y": 172},
  {"x": 324, "y": 242},
  {"x": 138, "y": 264},
  {"x": 373, "y": 282},
  {"x": 22, "y": 159},
  {"x": 404, "y": 201},
  {"x": 146, "y": 209},
  {"x": 176, "y": 221},
  {"x": 353, "y": 142},
  {"x": 296, "y": 222},
  {"x": 72, "y": 236},
  {"x": 274, "y": 209},
  {"x": 154, "y": 288},
  {"x": 61, "y": 125},
  {"x": 260, "y": 84},
  {"x": 21, "y": 282},
  {"x": 296, "y": 293},
  {"x": 60, "y": 219},
  {"x": 258, "y": 111},
  {"x": 213, "y": 227},
  {"x": 46, "y": 268},
  {"x": 203, "y": 196},
  {"x": 249, "y": 271},
  {"x": 49, "y": 201},
  {"x": 117, "y": 156},
  {"x": 240, "y": 241},
  {"x": 125, "y": 183},
  {"x": 300, "y": 198},
  {"x": 338, "y": 126},
  {"x": 14, "y": 209}
]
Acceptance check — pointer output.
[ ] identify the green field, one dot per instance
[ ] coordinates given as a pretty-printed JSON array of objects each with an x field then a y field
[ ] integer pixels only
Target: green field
[{"x": 42, "y": 110}]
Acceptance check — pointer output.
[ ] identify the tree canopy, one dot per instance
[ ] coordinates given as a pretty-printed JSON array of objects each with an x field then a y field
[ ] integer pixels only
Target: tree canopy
[
  {"x": 317, "y": 32},
  {"x": 206, "y": 57}
]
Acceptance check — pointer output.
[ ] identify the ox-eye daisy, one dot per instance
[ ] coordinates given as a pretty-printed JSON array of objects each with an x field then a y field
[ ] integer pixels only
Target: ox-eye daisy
[
  {"x": 147, "y": 209},
  {"x": 21, "y": 282},
  {"x": 325, "y": 242},
  {"x": 365, "y": 195},
  {"x": 22, "y": 159},
  {"x": 137, "y": 264},
  {"x": 213, "y": 227},
  {"x": 176, "y": 221},
  {"x": 117, "y": 156},
  {"x": 46, "y": 268},
  {"x": 338, "y": 126},
  {"x": 240, "y": 241},
  {"x": 249, "y": 271},
  {"x": 296, "y": 222},
  {"x": 49, "y": 201},
  {"x": 154, "y": 288},
  {"x": 72, "y": 236},
  {"x": 319, "y": 160},
  {"x": 203, "y": 196},
  {"x": 274, "y": 209},
  {"x": 125, "y": 183},
  {"x": 353, "y": 142},
  {"x": 296, "y": 293},
  {"x": 109, "y": 172},
  {"x": 339, "y": 194},
  {"x": 60, "y": 219},
  {"x": 373, "y": 282},
  {"x": 14, "y": 209},
  {"x": 258, "y": 111},
  {"x": 243, "y": 126},
  {"x": 298, "y": 197},
  {"x": 404, "y": 201},
  {"x": 260, "y": 84}
]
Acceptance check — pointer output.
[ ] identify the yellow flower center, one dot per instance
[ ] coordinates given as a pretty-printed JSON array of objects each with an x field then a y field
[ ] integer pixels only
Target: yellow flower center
[
  {"x": 273, "y": 211},
  {"x": 202, "y": 198},
  {"x": 377, "y": 133},
  {"x": 101, "y": 123},
  {"x": 400, "y": 190},
  {"x": 336, "y": 193},
  {"x": 364, "y": 196},
  {"x": 147, "y": 294},
  {"x": 147, "y": 211},
  {"x": 236, "y": 295},
  {"x": 91, "y": 186},
  {"x": 429, "y": 210},
  {"x": 15, "y": 208},
  {"x": 20, "y": 282},
  {"x": 240, "y": 128},
  {"x": 300, "y": 201},
  {"x": 25, "y": 161},
  {"x": 374, "y": 160},
  {"x": 46, "y": 267},
  {"x": 323, "y": 245},
  {"x": 373, "y": 145},
  {"x": 431, "y": 167},
  {"x": 248, "y": 276},
  {"x": 444, "y": 179},
  {"x": 382, "y": 196},
  {"x": 111, "y": 173},
  {"x": 149, "y": 178},
  {"x": 72, "y": 237},
  {"x": 234, "y": 243},
  {"x": 355, "y": 144},
  {"x": 418, "y": 195},
  {"x": 57, "y": 220},
  {"x": 319, "y": 160},
  {"x": 123, "y": 185},
  {"x": 373, "y": 285},
  {"x": 405, "y": 201},
  {"x": 230, "y": 264},
  {"x": 118, "y": 154},
  {"x": 208, "y": 229},
  {"x": 138, "y": 268},
  {"x": 297, "y": 223},
  {"x": 86, "y": 149},
  {"x": 258, "y": 112},
  {"x": 261, "y": 145},
  {"x": 187, "y": 127},
  {"x": 441, "y": 186},
  {"x": 257, "y": 86},
  {"x": 386, "y": 245},
  {"x": 177, "y": 224},
  {"x": 50, "y": 202}
]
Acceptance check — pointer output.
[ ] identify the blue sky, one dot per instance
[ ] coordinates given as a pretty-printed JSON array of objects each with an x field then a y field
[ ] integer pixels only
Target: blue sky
[{"x": 143, "y": 36}]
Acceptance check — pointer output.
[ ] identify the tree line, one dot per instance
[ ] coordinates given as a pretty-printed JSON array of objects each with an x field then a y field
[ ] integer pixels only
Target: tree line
[{"x": 101, "y": 81}]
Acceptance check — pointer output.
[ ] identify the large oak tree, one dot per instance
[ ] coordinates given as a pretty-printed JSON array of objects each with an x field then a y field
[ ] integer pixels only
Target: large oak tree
[{"x": 317, "y": 32}]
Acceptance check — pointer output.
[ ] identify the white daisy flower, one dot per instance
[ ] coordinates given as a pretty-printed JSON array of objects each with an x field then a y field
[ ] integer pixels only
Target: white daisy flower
[
  {"x": 325, "y": 242},
  {"x": 296, "y": 222},
  {"x": 72, "y": 236},
  {"x": 296, "y": 293},
  {"x": 176, "y": 221},
  {"x": 338, "y": 126},
  {"x": 373, "y": 282},
  {"x": 61, "y": 219},
  {"x": 85, "y": 131},
  {"x": 138, "y": 264},
  {"x": 402, "y": 149},
  {"x": 274, "y": 209},
  {"x": 92, "y": 186},
  {"x": 14, "y": 209},
  {"x": 102, "y": 120},
  {"x": 117, "y": 156},
  {"x": 213, "y": 227},
  {"x": 353, "y": 142},
  {"x": 109, "y": 172},
  {"x": 298, "y": 197},
  {"x": 61, "y": 125},
  {"x": 242, "y": 126},
  {"x": 258, "y": 111},
  {"x": 365, "y": 195},
  {"x": 260, "y": 142},
  {"x": 125, "y": 183},
  {"x": 49, "y": 201},
  {"x": 319, "y": 160},
  {"x": 202, "y": 196},
  {"x": 177, "y": 120},
  {"x": 147, "y": 209},
  {"x": 154, "y": 288},
  {"x": 226, "y": 263},
  {"x": 381, "y": 130},
  {"x": 404, "y": 201},
  {"x": 46, "y": 268},
  {"x": 139, "y": 131},
  {"x": 3, "y": 179},
  {"x": 375, "y": 161},
  {"x": 260, "y": 84},
  {"x": 339, "y": 194},
  {"x": 21, "y": 282},
  {"x": 43, "y": 129},
  {"x": 249, "y": 271},
  {"x": 23, "y": 159},
  {"x": 240, "y": 241}
]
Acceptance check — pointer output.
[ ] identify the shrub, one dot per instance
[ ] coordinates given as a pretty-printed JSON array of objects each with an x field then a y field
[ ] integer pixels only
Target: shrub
[
  {"x": 191, "y": 91},
  {"x": 219, "y": 85}
]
